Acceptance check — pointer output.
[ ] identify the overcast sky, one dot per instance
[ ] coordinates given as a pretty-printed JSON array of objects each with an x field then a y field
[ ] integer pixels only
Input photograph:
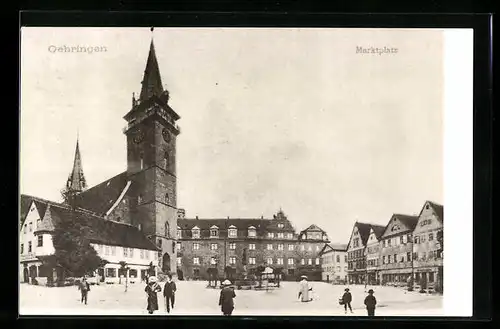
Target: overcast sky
[{"x": 270, "y": 118}]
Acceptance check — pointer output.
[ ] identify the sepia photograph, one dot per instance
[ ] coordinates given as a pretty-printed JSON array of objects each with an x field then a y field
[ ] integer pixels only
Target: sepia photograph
[{"x": 235, "y": 172}]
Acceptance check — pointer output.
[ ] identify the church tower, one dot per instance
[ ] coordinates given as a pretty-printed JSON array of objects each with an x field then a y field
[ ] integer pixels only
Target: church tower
[
  {"x": 76, "y": 182},
  {"x": 151, "y": 152}
]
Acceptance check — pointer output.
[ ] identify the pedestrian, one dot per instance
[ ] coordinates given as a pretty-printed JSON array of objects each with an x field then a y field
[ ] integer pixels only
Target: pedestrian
[
  {"x": 226, "y": 298},
  {"x": 346, "y": 300},
  {"x": 84, "y": 288},
  {"x": 169, "y": 293},
  {"x": 304, "y": 290},
  {"x": 152, "y": 288},
  {"x": 370, "y": 302}
]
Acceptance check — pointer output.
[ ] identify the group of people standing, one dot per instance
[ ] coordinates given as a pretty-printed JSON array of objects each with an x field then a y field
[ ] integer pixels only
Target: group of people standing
[
  {"x": 370, "y": 302},
  {"x": 227, "y": 295},
  {"x": 153, "y": 287}
]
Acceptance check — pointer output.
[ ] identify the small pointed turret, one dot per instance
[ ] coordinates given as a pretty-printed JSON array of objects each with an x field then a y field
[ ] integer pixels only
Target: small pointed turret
[
  {"x": 151, "y": 82},
  {"x": 76, "y": 181}
]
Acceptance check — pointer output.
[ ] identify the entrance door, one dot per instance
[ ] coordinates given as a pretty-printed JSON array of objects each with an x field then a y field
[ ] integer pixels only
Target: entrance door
[
  {"x": 166, "y": 263},
  {"x": 26, "y": 275}
]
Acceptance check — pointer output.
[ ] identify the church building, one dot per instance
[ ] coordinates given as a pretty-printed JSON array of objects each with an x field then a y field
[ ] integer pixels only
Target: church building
[{"x": 134, "y": 215}]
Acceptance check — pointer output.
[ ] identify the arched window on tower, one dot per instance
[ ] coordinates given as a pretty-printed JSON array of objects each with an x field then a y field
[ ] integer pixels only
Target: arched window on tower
[
  {"x": 167, "y": 230},
  {"x": 166, "y": 160},
  {"x": 166, "y": 197},
  {"x": 142, "y": 161}
]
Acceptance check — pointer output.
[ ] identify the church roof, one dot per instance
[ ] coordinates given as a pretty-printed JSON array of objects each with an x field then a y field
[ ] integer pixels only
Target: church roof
[
  {"x": 100, "y": 198},
  {"x": 106, "y": 232}
]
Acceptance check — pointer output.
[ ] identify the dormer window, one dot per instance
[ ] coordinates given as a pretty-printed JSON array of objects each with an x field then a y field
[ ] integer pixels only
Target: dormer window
[
  {"x": 214, "y": 231},
  {"x": 281, "y": 225},
  {"x": 232, "y": 231},
  {"x": 195, "y": 232},
  {"x": 252, "y": 232}
]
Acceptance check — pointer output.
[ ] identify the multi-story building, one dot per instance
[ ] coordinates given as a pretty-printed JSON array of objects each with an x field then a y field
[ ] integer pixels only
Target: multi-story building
[
  {"x": 427, "y": 247},
  {"x": 372, "y": 254},
  {"x": 114, "y": 242},
  {"x": 334, "y": 263},
  {"x": 356, "y": 251},
  {"x": 396, "y": 250},
  {"x": 229, "y": 244}
]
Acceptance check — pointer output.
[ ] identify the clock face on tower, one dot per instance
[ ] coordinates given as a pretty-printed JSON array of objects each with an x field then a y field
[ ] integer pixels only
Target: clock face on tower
[
  {"x": 139, "y": 136},
  {"x": 166, "y": 135}
]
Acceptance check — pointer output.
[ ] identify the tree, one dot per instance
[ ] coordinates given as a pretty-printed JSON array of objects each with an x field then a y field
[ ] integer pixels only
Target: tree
[
  {"x": 73, "y": 252},
  {"x": 124, "y": 268}
]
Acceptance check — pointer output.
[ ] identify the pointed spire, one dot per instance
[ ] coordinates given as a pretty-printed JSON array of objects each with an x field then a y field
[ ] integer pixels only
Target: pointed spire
[
  {"x": 76, "y": 181},
  {"x": 151, "y": 82}
]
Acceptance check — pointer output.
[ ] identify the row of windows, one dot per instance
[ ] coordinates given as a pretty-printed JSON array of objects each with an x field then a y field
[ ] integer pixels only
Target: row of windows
[
  {"x": 126, "y": 252},
  {"x": 356, "y": 265},
  {"x": 252, "y": 246},
  {"x": 396, "y": 241},
  {"x": 233, "y": 233},
  {"x": 30, "y": 248},
  {"x": 252, "y": 261},
  {"x": 355, "y": 254},
  {"x": 330, "y": 258},
  {"x": 333, "y": 268}
]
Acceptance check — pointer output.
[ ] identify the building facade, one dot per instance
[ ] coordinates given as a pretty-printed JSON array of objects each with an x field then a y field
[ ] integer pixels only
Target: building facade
[
  {"x": 334, "y": 263},
  {"x": 372, "y": 252},
  {"x": 234, "y": 245},
  {"x": 396, "y": 260},
  {"x": 106, "y": 237},
  {"x": 428, "y": 247}
]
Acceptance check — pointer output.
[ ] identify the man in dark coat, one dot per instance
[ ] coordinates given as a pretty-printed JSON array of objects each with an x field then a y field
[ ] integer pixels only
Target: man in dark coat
[
  {"x": 84, "y": 288},
  {"x": 370, "y": 302},
  {"x": 169, "y": 293},
  {"x": 152, "y": 288},
  {"x": 347, "y": 299},
  {"x": 226, "y": 298}
]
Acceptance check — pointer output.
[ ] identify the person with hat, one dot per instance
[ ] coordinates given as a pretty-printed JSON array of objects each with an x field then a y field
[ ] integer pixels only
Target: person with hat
[
  {"x": 346, "y": 300},
  {"x": 370, "y": 302},
  {"x": 304, "y": 290},
  {"x": 152, "y": 288},
  {"x": 169, "y": 293},
  {"x": 226, "y": 298},
  {"x": 84, "y": 288}
]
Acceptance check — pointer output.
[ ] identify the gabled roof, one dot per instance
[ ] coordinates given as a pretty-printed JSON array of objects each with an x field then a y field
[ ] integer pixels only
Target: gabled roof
[
  {"x": 338, "y": 246},
  {"x": 100, "y": 198},
  {"x": 313, "y": 228},
  {"x": 409, "y": 221},
  {"x": 438, "y": 209},
  {"x": 364, "y": 231},
  {"x": 378, "y": 230},
  {"x": 40, "y": 204}
]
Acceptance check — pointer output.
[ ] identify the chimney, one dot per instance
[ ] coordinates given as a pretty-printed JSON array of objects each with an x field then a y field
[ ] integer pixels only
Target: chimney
[{"x": 196, "y": 217}]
